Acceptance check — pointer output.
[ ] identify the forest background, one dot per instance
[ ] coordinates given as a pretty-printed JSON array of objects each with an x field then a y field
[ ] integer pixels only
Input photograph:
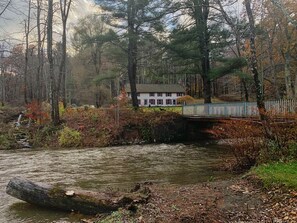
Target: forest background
[{"x": 84, "y": 52}]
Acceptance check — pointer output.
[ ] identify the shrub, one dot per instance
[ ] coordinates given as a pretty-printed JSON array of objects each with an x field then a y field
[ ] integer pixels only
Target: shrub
[
  {"x": 260, "y": 142},
  {"x": 4, "y": 142},
  {"x": 7, "y": 137},
  {"x": 282, "y": 143},
  {"x": 44, "y": 136},
  {"x": 245, "y": 139},
  {"x": 187, "y": 99},
  {"x": 69, "y": 138},
  {"x": 37, "y": 112}
]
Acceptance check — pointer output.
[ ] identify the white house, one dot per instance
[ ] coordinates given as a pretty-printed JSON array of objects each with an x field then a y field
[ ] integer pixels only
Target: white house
[{"x": 157, "y": 94}]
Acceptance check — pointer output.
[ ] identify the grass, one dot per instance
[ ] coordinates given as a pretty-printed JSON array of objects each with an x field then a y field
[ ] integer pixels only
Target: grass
[
  {"x": 177, "y": 109},
  {"x": 278, "y": 174}
]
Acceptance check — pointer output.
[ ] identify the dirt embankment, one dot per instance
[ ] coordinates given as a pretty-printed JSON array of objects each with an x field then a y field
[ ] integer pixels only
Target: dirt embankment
[{"x": 238, "y": 200}]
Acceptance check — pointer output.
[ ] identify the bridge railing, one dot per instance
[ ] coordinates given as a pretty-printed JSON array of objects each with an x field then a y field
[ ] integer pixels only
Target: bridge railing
[{"x": 238, "y": 109}]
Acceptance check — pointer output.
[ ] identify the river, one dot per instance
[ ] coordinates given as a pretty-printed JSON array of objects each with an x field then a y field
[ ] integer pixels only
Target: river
[{"x": 116, "y": 167}]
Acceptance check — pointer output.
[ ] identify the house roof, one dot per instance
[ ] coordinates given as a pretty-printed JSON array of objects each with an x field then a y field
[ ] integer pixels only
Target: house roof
[{"x": 157, "y": 88}]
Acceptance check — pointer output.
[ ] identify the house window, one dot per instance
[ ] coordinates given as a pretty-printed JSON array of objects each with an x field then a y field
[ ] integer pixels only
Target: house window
[
  {"x": 179, "y": 94},
  {"x": 160, "y": 94},
  {"x": 174, "y": 102},
  {"x": 160, "y": 102},
  {"x": 145, "y": 101},
  {"x": 168, "y": 94},
  {"x": 139, "y": 101},
  {"x": 168, "y": 101},
  {"x": 152, "y": 101},
  {"x": 152, "y": 94}
]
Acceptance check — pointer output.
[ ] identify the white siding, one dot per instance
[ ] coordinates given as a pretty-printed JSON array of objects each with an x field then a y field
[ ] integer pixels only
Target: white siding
[{"x": 146, "y": 96}]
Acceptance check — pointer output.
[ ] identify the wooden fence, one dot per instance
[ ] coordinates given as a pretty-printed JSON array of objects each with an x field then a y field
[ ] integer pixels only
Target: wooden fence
[{"x": 238, "y": 109}]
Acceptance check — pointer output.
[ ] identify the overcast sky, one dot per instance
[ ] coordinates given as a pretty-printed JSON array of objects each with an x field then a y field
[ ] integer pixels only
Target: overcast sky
[{"x": 12, "y": 20}]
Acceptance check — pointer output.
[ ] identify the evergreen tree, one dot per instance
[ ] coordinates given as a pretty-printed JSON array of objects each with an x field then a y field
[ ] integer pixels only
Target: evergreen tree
[
  {"x": 136, "y": 19},
  {"x": 200, "y": 42}
]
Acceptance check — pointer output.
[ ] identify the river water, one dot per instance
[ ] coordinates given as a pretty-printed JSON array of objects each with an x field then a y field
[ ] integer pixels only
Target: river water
[{"x": 116, "y": 167}]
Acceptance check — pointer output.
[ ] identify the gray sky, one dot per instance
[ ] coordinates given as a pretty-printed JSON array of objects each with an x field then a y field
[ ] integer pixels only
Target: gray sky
[{"x": 12, "y": 21}]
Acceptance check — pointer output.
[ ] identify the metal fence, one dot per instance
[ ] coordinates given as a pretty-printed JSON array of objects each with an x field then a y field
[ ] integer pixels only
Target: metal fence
[{"x": 238, "y": 109}]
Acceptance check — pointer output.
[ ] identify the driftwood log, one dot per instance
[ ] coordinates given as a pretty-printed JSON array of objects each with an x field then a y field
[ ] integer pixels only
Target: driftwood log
[{"x": 86, "y": 202}]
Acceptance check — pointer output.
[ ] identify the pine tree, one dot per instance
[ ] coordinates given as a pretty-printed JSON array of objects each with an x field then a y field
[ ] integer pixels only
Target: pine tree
[{"x": 136, "y": 19}]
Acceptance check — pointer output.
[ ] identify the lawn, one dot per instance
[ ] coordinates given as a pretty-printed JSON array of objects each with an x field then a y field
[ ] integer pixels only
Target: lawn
[
  {"x": 278, "y": 174},
  {"x": 177, "y": 109}
]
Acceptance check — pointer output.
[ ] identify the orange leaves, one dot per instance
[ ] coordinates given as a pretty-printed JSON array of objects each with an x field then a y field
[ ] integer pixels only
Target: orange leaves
[{"x": 37, "y": 113}]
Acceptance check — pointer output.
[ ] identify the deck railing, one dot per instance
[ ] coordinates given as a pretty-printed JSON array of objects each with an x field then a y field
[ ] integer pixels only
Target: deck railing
[{"x": 238, "y": 109}]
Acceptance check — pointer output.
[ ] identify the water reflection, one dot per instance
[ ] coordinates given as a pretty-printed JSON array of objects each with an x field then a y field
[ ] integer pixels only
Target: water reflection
[{"x": 24, "y": 212}]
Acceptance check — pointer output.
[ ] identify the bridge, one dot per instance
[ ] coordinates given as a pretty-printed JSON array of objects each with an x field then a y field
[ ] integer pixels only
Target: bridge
[
  {"x": 237, "y": 109},
  {"x": 202, "y": 117}
]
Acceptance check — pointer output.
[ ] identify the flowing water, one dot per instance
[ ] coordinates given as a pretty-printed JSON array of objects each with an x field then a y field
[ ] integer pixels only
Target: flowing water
[{"x": 116, "y": 167}]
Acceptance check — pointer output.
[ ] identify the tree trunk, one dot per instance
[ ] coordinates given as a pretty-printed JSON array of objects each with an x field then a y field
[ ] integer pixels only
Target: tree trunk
[
  {"x": 288, "y": 79},
  {"x": 201, "y": 11},
  {"x": 27, "y": 32},
  {"x": 272, "y": 65},
  {"x": 64, "y": 8},
  {"x": 132, "y": 52},
  {"x": 85, "y": 202},
  {"x": 53, "y": 87},
  {"x": 206, "y": 90},
  {"x": 2, "y": 77},
  {"x": 39, "y": 53},
  {"x": 254, "y": 62},
  {"x": 246, "y": 92}
]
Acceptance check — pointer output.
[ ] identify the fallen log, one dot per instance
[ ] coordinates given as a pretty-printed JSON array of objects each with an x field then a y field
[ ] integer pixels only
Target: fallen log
[{"x": 86, "y": 202}]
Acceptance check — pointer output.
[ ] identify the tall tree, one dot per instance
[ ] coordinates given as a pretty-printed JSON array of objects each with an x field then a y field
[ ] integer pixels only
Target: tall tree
[
  {"x": 27, "y": 33},
  {"x": 64, "y": 9},
  {"x": 53, "y": 87},
  {"x": 40, "y": 55},
  {"x": 279, "y": 4},
  {"x": 200, "y": 41},
  {"x": 253, "y": 60},
  {"x": 201, "y": 9},
  {"x": 137, "y": 18},
  {"x": 236, "y": 27},
  {"x": 2, "y": 82},
  {"x": 90, "y": 37}
]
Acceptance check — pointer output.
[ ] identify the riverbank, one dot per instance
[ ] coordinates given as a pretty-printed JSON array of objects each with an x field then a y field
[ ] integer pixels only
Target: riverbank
[
  {"x": 237, "y": 200},
  {"x": 90, "y": 127}
]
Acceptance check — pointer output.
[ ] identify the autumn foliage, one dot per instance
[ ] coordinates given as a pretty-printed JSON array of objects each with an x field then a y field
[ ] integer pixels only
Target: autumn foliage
[
  {"x": 117, "y": 126},
  {"x": 250, "y": 143},
  {"x": 36, "y": 111}
]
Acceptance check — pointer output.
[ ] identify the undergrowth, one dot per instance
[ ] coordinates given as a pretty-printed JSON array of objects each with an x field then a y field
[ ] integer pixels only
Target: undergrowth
[
  {"x": 250, "y": 143},
  {"x": 69, "y": 137}
]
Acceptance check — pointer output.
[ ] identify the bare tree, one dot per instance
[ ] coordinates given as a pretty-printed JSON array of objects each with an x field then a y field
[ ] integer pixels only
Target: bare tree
[
  {"x": 4, "y": 6},
  {"x": 27, "y": 32},
  {"x": 64, "y": 9},
  {"x": 253, "y": 60},
  {"x": 235, "y": 27},
  {"x": 40, "y": 40},
  {"x": 279, "y": 4},
  {"x": 53, "y": 87}
]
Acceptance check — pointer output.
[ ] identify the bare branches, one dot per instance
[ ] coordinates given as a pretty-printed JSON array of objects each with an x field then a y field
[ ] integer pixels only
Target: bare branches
[
  {"x": 283, "y": 9},
  {"x": 5, "y": 7}
]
